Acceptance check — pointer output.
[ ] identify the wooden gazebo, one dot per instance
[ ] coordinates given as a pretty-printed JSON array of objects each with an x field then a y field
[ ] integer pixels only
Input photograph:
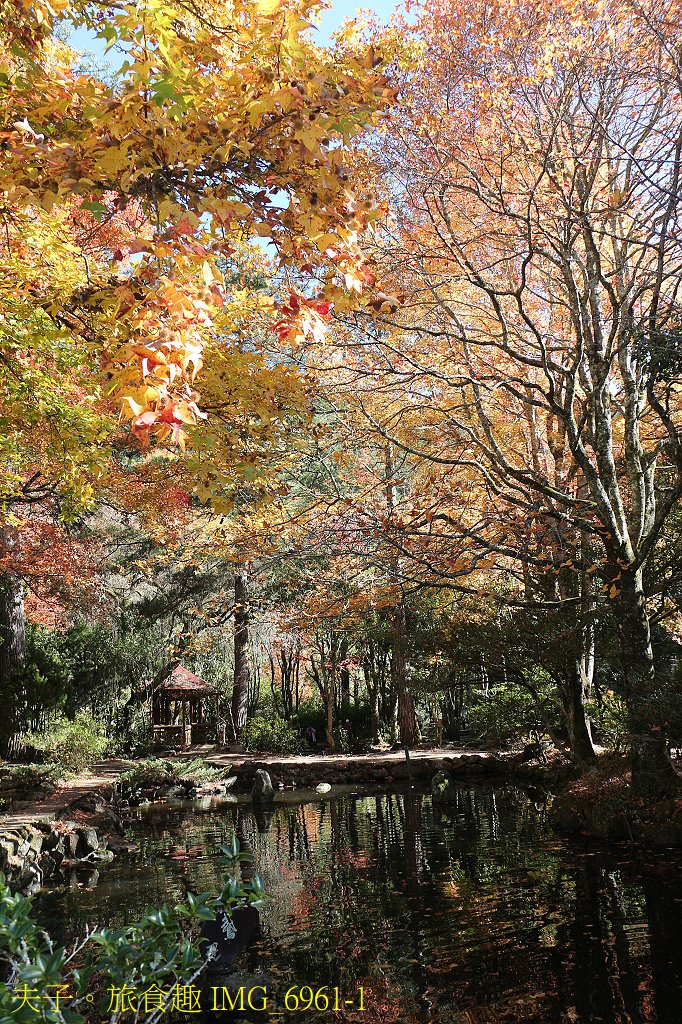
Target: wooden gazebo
[{"x": 184, "y": 709}]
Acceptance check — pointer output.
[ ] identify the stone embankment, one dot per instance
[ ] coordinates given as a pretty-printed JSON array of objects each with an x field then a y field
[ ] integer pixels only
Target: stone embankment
[
  {"x": 29, "y": 854},
  {"x": 386, "y": 771}
]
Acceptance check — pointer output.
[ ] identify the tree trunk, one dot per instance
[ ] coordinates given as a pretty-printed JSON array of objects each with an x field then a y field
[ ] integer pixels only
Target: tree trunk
[
  {"x": 407, "y": 720},
  {"x": 344, "y": 673},
  {"x": 12, "y": 650},
  {"x": 653, "y": 775},
  {"x": 374, "y": 712},
  {"x": 329, "y": 705},
  {"x": 12, "y": 637},
  {"x": 574, "y": 695},
  {"x": 242, "y": 669},
  {"x": 406, "y": 717}
]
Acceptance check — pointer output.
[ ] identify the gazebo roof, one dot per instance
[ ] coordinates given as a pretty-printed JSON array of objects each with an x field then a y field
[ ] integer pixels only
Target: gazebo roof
[{"x": 183, "y": 683}]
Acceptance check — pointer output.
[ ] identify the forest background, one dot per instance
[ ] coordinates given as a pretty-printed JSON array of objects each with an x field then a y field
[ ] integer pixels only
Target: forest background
[{"x": 347, "y": 376}]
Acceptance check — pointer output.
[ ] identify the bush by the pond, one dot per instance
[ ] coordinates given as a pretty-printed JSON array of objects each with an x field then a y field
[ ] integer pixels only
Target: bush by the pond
[
  {"x": 271, "y": 735},
  {"x": 28, "y": 780},
  {"x": 158, "y": 771},
  {"x": 198, "y": 770},
  {"x": 152, "y": 771},
  {"x": 73, "y": 744},
  {"x": 162, "y": 951},
  {"x": 311, "y": 714}
]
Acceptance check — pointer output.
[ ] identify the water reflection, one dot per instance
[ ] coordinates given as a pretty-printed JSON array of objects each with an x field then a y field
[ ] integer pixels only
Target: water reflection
[{"x": 472, "y": 913}]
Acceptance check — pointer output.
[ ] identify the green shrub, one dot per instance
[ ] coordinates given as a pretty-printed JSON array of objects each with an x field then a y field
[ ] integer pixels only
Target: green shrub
[
  {"x": 157, "y": 771},
  {"x": 358, "y": 716},
  {"x": 197, "y": 770},
  {"x": 162, "y": 950},
  {"x": 273, "y": 736},
  {"x": 311, "y": 714},
  {"x": 28, "y": 779},
  {"x": 510, "y": 713},
  {"x": 153, "y": 771},
  {"x": 74, "y": 745},
  {"x": 608, "y": 714}
]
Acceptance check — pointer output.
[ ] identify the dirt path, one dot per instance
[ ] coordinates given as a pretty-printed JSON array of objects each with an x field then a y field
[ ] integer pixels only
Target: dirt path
[
  {"x": 385, "y": 759},
  {"x": 50, "y": 807}
]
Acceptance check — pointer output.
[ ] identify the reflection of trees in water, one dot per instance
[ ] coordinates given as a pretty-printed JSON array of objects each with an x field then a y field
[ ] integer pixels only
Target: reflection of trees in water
[
  {"x": 618, "y": 958},
  {"x": 471, "y": 908},
  {"x": 663, "y": 899}
]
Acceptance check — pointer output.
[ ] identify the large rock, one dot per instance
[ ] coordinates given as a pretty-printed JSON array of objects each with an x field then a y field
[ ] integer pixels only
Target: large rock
[
  {"x": 88, "y": 842},
  {"x": 442, "y": 787},
  {"x": 30, "y": 877},
  {"x": 56, "y": 855},
  {"x": 262, "y": 791},
  {"x": 10, "y": 862},
  {"x": 218, "y": 788},
  {"x": 174, "y": 792},
  {"x": 71, "y": 840}
]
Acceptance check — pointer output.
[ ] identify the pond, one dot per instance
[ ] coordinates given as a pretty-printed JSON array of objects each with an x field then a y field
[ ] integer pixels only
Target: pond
[{"x": 473, "y": 914}]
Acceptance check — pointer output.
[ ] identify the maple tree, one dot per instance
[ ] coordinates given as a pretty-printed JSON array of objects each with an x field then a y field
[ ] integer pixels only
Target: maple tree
[
  {"x": 448, "y": 358},
  {"x": 534, "y": 171},
  {"x": 129, "y": 277},
  {"x": 214, "y": 147}
]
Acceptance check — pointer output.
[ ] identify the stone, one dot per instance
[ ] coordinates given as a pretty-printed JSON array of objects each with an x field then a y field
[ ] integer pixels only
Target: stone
[
  {"x": 56, "y": 856},
  {"x": 218, "y": 788},
  {"x": 102, "y": 855},
  {"x": 262, "y": 790},
  {"x": 176, "y": 792},
  {"x": 323, "y": 787},
  {"x": 118, "y": 844},
  {"x": 48, "y": 865},
  {"x": 88, "y": 841},
  {"x": 565, "y": 816},
  {"x": 30, "y": 877},
  {"x": 441, "y": 786},
  {"x": 71, "y": 840},
  {"x": 51, "y": 840},
  {"x": 10, "y": 842},
  {"x": 104, "y": 819},
  {"x": 9, "y": 861}
]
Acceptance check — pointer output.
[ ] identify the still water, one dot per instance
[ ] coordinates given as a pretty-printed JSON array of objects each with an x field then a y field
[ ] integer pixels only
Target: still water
[{"x": 476, "y": 913}]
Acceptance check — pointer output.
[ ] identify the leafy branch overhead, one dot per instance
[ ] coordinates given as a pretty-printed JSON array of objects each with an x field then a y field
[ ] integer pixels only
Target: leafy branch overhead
[{"x": 225, "y": 125}]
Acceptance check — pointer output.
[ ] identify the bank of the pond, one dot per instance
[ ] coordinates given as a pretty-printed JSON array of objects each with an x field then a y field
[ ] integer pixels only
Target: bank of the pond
[
  {"x": 600, "y": 803},
  {"x": 81, "y": 820},
  {"x": 393, "y": 766},
  {"x": 41, "y": 838},
  {"x": 90, "y": 789}
]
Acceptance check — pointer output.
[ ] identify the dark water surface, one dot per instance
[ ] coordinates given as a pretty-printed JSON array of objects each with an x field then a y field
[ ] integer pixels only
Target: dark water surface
[{"x": 473, "y": 914}]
